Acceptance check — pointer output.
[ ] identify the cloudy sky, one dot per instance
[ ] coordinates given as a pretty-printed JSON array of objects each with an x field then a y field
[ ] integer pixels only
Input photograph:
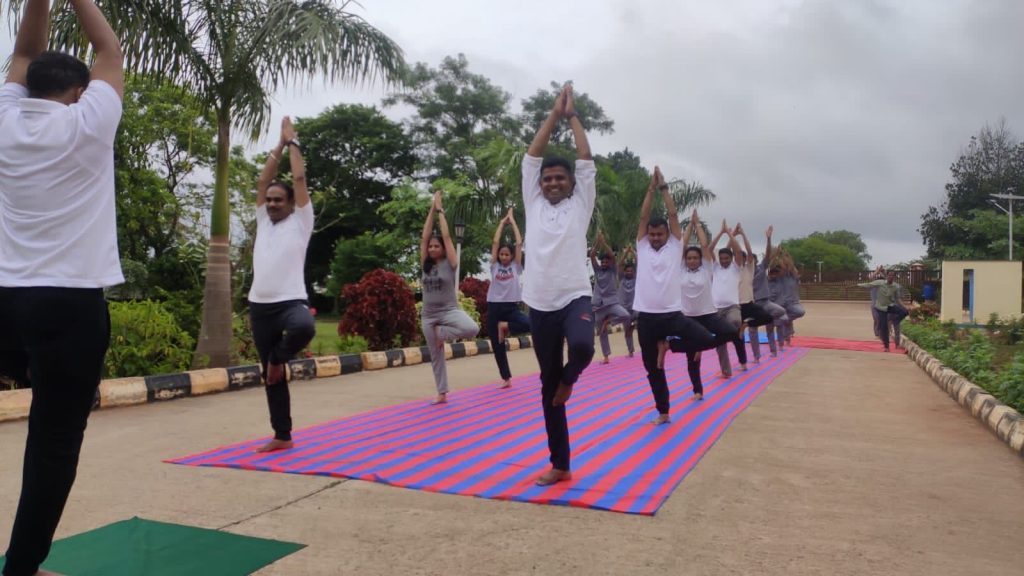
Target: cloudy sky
[{"x": 806, "y": 114}]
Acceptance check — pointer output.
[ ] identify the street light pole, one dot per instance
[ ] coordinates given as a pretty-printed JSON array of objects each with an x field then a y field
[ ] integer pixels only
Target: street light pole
[
  {"x": 1009, "y": 200},
  {"x": 460, "y": 232},
  {"x": 819, "y": 271}
]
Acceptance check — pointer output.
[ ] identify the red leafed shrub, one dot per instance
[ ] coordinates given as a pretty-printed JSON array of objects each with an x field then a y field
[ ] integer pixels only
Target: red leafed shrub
[
  {"x": 477, "y": 290},
  {"x": 381, "y": 308}
]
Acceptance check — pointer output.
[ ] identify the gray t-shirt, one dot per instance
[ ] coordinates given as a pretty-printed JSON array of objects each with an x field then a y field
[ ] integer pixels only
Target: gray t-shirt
[
  {"x": 761, "y": 290},
  {"x": 627, "y": 290},
  {"x": 606, "y": 292},
  {"x": 439, "y": 287},
  {"x": 505, "y": 282},
  {"x": 790, "y": 289}
]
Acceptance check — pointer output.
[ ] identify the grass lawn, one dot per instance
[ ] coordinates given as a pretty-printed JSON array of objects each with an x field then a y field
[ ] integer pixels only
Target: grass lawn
[{"x": 325, "y": 343}]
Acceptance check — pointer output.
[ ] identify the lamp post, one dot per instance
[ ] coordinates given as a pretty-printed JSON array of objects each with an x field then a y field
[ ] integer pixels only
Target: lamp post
[
  {"x": 460, "y": 232},
  {"x": 820, "y": 262},
  {"x": 1009, "y": 200}
]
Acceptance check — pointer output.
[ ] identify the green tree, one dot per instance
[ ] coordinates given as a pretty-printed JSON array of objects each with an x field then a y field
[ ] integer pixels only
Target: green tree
[
  {"x": 354, "y": 157},
  {"x": 992, "y": 163},
  {"x": 851, "y": 240},
  {"x": 234, "y": 54},
  {"x": 807, "y": 252},
  {"x": 536, "y": 108}
]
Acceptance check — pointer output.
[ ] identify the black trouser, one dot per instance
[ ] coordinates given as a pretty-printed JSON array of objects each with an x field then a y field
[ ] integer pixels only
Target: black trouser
[
  {"x": 894, "y": 314},
  {"x": 551, "y": 330},
  {"x": 280, "y": 331},
  {"x": 55, "y": 339},
  {"x": 687, "y": 336},
  {"x": 518, "y": 323},
  {"x": 722, "y": 331},
  {"x": 755, "y": 315}
]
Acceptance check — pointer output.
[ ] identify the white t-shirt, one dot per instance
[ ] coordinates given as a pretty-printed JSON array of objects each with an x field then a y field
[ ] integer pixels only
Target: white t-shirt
[
  {"x": 657, "y": 276},
  {"x": 696, "y": 291},
  {"x": 556, "y": 237},
  {"x": 279, "y": 258},
  {"x": 725, "y": 286},
  {"x": 747, "y": 282},
  {"x": 58, "y": 222}
]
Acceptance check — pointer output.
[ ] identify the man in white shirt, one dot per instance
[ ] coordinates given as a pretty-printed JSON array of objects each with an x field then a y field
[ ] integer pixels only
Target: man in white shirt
[
  {"x": 658, "y": 299},
  {"x": 559, "y": 203},
  {"x": 725, "y": 292},
  {"x": 282, "y": 324},
  {"x": 58, "y": 251}
]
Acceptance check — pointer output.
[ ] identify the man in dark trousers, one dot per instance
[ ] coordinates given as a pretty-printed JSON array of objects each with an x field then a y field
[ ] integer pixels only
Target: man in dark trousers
[
  {"x": 559, "y": 202},
  {"x": 58, "y": 251}
]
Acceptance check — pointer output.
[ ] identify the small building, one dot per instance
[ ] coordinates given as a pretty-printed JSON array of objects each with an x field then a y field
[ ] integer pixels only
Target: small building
[{"x": 973, "y": 290}]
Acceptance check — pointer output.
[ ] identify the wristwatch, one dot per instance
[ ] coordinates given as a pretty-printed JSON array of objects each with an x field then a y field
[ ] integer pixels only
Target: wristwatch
[{"x": 295, "y": 142}]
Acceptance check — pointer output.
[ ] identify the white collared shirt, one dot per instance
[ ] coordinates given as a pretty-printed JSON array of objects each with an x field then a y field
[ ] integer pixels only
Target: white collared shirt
[
  {"x": 58, "y": 222},
  {"x": 657, "y": 276},
  {"x": 279, "y": 257},
  {"x": 556, "y": 238}
]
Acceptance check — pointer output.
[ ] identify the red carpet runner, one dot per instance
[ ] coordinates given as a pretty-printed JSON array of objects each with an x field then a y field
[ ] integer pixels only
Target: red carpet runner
[{"x": 490, "y": 443}]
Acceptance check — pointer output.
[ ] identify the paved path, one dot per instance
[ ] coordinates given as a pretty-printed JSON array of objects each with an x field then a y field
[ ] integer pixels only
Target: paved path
[{"x": 850, "y": 463}]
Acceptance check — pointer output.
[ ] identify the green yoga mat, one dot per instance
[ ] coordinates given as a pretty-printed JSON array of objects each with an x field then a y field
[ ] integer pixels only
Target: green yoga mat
[{"x": 140, "y": 547}]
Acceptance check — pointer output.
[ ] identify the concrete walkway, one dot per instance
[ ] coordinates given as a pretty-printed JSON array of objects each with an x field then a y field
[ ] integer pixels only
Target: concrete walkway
[{"x": 850, "y": 463}]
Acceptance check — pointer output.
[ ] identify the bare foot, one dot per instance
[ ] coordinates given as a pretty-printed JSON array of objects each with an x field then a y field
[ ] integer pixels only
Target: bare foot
[
  {"x": 726, "y": 375},
  {"x": 440, "y": 399},
  {"x": 561, "y": 395},
  {"x": 275, "y": 374},
  {"x": 661, "y": 419},
  {"x": 552, "y": 476},
  {"x": 630, "y": 355},
  {"x": 662, "y": 349},
  {"x": 47, "y": 573},
  {"x": 698, "y": 396},
  {"x": 505, "y": 384},
  {"x": 743, "y": 367},
  {"x": 606, "y": 360},
  {"x": 502, "y": 332},
  {"x": 275, "y": 445}
]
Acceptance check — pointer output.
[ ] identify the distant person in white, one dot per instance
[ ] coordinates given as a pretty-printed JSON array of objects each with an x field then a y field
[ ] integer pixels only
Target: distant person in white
[
  {"x": 282, "y": 324},
  {"x": 58, "y": 251},
  {"x": 725, "y": 293}
]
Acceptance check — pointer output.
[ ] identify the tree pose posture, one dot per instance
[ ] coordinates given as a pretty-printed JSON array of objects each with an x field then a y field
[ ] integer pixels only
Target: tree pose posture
[
  {"x": 607, "y": 308},
  {"x": 504, "y": 295}
]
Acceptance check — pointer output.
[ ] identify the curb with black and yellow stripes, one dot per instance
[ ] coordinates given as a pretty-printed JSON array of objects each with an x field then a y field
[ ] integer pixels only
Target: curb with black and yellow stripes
[
  {"x": 1005, "y": 422},
  {"x": 14, "y": 404}
]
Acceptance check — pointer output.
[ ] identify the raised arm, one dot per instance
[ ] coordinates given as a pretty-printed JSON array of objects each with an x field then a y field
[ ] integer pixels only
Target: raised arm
[
  {"x": 734, "y": 244},
  {"x": 768, "y": 248},
  {"x": 518, "y": 236},
  {"x": 298, "y": 165},
  {"x": 496, "y": 243},
  {"x": 543, "y": 136},
  {"x": 645, "y": 209},
  {"x": 270, "y": 169},
  {"x": 31, "y": 39},
  {"x": 714, "y": 243},
  {"x": 709, "y": 255},
  {"x": 670, "y": 205},
  {"x": 442, "y": 223},
  {"x": 108, "y": 64},
  {"x": 746, "y": 243},
  {"x": 578, "y": 133},
  {"x": 428, "y": 228},
  {"x": 593, "y": 253},
  {"x": 688, "y": 233}
]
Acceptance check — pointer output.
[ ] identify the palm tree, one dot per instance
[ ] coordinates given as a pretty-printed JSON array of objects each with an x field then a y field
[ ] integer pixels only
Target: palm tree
[{"x": 233, "y": 55}]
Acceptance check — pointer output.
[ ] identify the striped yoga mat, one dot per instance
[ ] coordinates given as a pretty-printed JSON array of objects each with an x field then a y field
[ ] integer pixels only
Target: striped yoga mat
[{"x": 491, "y": 443}]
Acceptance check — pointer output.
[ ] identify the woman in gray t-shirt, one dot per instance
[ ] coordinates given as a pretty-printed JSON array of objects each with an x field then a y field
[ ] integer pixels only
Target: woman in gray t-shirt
[
  {"x": 442, "y": 318},
  {"x": 504, "y": 296}
]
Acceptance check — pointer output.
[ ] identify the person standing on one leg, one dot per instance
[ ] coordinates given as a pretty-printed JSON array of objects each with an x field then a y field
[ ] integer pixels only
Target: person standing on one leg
[
  {"x": 504, "y": 296},
  {"x": 887, "y": 303},
  {"x": 763, "y": 297},
  {"x": 725, "y": 292},
  {"x": 878, "y": 274},
  {"x": 658, "y": 301},
  {"x": 58, "y": 251},
  {"x": 698, "y": 302},
  {"x": 753, "y": 315},
  {"x": 790, "y": 280},
  {"x": 442, "y": 318},
  {"x": 607, "y": 309},
  {"x": 559, "y": 204},
  {"x": 282, "y": 324},
  {"x": 627, "y": 293}
]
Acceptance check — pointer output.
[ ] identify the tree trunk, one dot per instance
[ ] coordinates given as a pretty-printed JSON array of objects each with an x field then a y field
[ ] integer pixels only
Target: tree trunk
[{"x": 213, "y": 349}]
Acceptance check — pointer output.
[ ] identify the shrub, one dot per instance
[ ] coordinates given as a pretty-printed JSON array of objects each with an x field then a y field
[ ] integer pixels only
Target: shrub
[
  {"x": 145, "y": 339},
  {"x": 243, "y": 348},
  {"x": 925, "y": 311},
  {"x": 1011, "y": 383},
  {"x": 352, "y": 344},
  {"x": 381, "y": 308},
  {"x": 477, "y": 290}
]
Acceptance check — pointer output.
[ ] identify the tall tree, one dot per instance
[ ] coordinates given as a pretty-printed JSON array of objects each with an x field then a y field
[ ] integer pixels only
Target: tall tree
[
  {"x": 992, "y": 163},
  {"x": 808, "y": 251},
  {"x": 851, "y": 240},
  {"x": 536, "y": 108},
  {"x": 234, "y": 54}
]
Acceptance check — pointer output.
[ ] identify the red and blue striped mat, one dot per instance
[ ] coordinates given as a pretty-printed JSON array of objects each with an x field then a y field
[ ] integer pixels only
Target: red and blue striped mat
[{"x": 491, "y": 443}]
